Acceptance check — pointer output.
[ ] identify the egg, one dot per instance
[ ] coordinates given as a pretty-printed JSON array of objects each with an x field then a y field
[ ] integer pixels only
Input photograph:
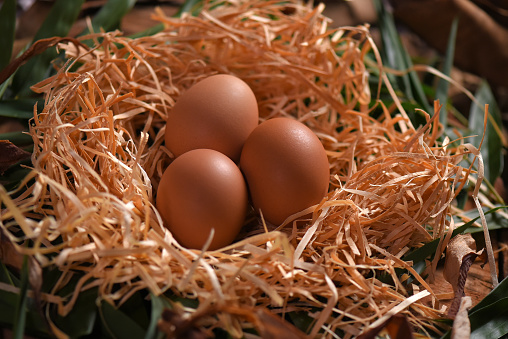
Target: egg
[
  {"x": 199, "y": 191},
  {"x": 286, "y": 168},
  {"x": 217, "y": 113}
]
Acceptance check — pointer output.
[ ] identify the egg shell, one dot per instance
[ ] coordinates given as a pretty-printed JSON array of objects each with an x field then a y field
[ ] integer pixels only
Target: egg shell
[
  {"x": 286, "y": 168},
  {"x": 199, "y": 191},
  {"x": 219, "y": 113}
]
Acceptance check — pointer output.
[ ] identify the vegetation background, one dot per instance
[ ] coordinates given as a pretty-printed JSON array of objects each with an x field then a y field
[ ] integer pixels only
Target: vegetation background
[{"x": 464, "y": 39}]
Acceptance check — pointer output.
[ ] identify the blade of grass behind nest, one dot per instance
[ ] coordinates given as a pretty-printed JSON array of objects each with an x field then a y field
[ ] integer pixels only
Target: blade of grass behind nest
[
  {"x": 18, "y": 327},
  {"x": 443, "y": 85},
  {"x": 7, "y": 27},
  {"x": 490, "y": 322},
  {"x": 158, "y": 304},
  {"x": 34, "y": 325},
  {"x": 147, "y": 32},
  {"x": 189, "y": 6},
  {"x": 118, "y": 324},
  {"x": 59, "y": 21},
  {"x": 19, "y": 139},
  {"x": 81, "y": 320},
  {"x": 495, "y": 221},
  {"x": 19, "y": 109},
  {"x": 429, "y": 249},
  {"x": 110, "y": 15},
  {"x": 397, "y": 57},
  {"x": 492, "y": 148}
]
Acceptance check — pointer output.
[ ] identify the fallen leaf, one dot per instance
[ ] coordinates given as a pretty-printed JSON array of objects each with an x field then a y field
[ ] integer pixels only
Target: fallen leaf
[
  {"x": 175, "y": 326},
  {"x": 397, "y": 327},
  {"x": 268, "y": 325},
  {"x": 271, "y": 326},
  {"x": 10, "y": 154},
  {"x": 461, "y": 326},
  {"x": 460, "y": 255},
  {"x": 8, "y": 254}
]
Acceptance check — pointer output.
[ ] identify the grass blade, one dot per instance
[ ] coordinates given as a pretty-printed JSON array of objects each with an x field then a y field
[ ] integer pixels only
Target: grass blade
[
  {"x": 443, "y": 85},
  {"x": 492, "y": 148},
  {"x": 158, "y": 306},
  {"x": 490, "y": 321},
  {"x": 396, "y": 57},
  {"x": 59, "y": 21},
  {"x": 118, "y": 324},
  {"x": 391, "y": 48},
  {"x": 429, "y": 249},
  {"x": 110, "y": 15},
  {"x": 18, "y": 328},
  {"x": 150, "y": 31},
  {"x": 17, "y": 138},
  {"x": 190, "y": 6},
  {"x": 81, "y": 320},
  {"x": 7, "y": 27},
  {"x": 20, "y": 109}
]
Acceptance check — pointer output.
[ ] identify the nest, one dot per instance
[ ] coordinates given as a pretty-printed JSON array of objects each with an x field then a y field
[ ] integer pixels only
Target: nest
[{"x": 99, "y": 155}]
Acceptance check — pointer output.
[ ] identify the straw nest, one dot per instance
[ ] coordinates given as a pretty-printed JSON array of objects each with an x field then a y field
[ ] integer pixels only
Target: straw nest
[{"x": 99, "y": 154}]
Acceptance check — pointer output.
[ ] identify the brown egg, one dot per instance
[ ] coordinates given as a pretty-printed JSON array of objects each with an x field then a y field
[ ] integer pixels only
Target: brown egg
[
  {"x": 218, "y": 113},
  {"x": 202, "y": 190},
  {"x": 286, "y": 168}
]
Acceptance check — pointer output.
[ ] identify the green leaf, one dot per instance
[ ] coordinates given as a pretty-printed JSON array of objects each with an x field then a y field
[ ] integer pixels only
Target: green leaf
[
  {"x": 490, "y": 321},
  {"x": 18, "y": 327},
  {"x": 81, "y": 320},
  {"x": 159, "y": 303},
  {"x": 190, "y": 6},
  {"x": 150, "y": 31},
  {"x": 301, "y": 320},
  {"x": 492, "y": 148},
  {"x": 443, "y": 85},
  {"x": 118, "y": 324},
  {"x": 7, "y": 277},
  {"x": 110, "y": 15},
  {"x": 396, "y": 56},
  {"x": 19, "y": 139},
  {"x": 59, "y": 21},
  {"x": 7, "y": 27},
  {"x": 136, "y": 308},
  {"x": 21, "y": 108},
  {"x": 429, "y": 249},
  {"x": 9, "y": 301}
]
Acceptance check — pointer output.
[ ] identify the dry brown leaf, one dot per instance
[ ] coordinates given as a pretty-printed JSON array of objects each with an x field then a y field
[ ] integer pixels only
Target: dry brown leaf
[
  {"x": 397, "y": 327},
  {"x": 269, "y": 325},
  {"x": 460, "y": 255},
  {"x": 173, "y": 325},
  {"x": 8, "y": 254},
  {"x": 461, "y": 325},
  {"x": 10, "y": 154}
]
